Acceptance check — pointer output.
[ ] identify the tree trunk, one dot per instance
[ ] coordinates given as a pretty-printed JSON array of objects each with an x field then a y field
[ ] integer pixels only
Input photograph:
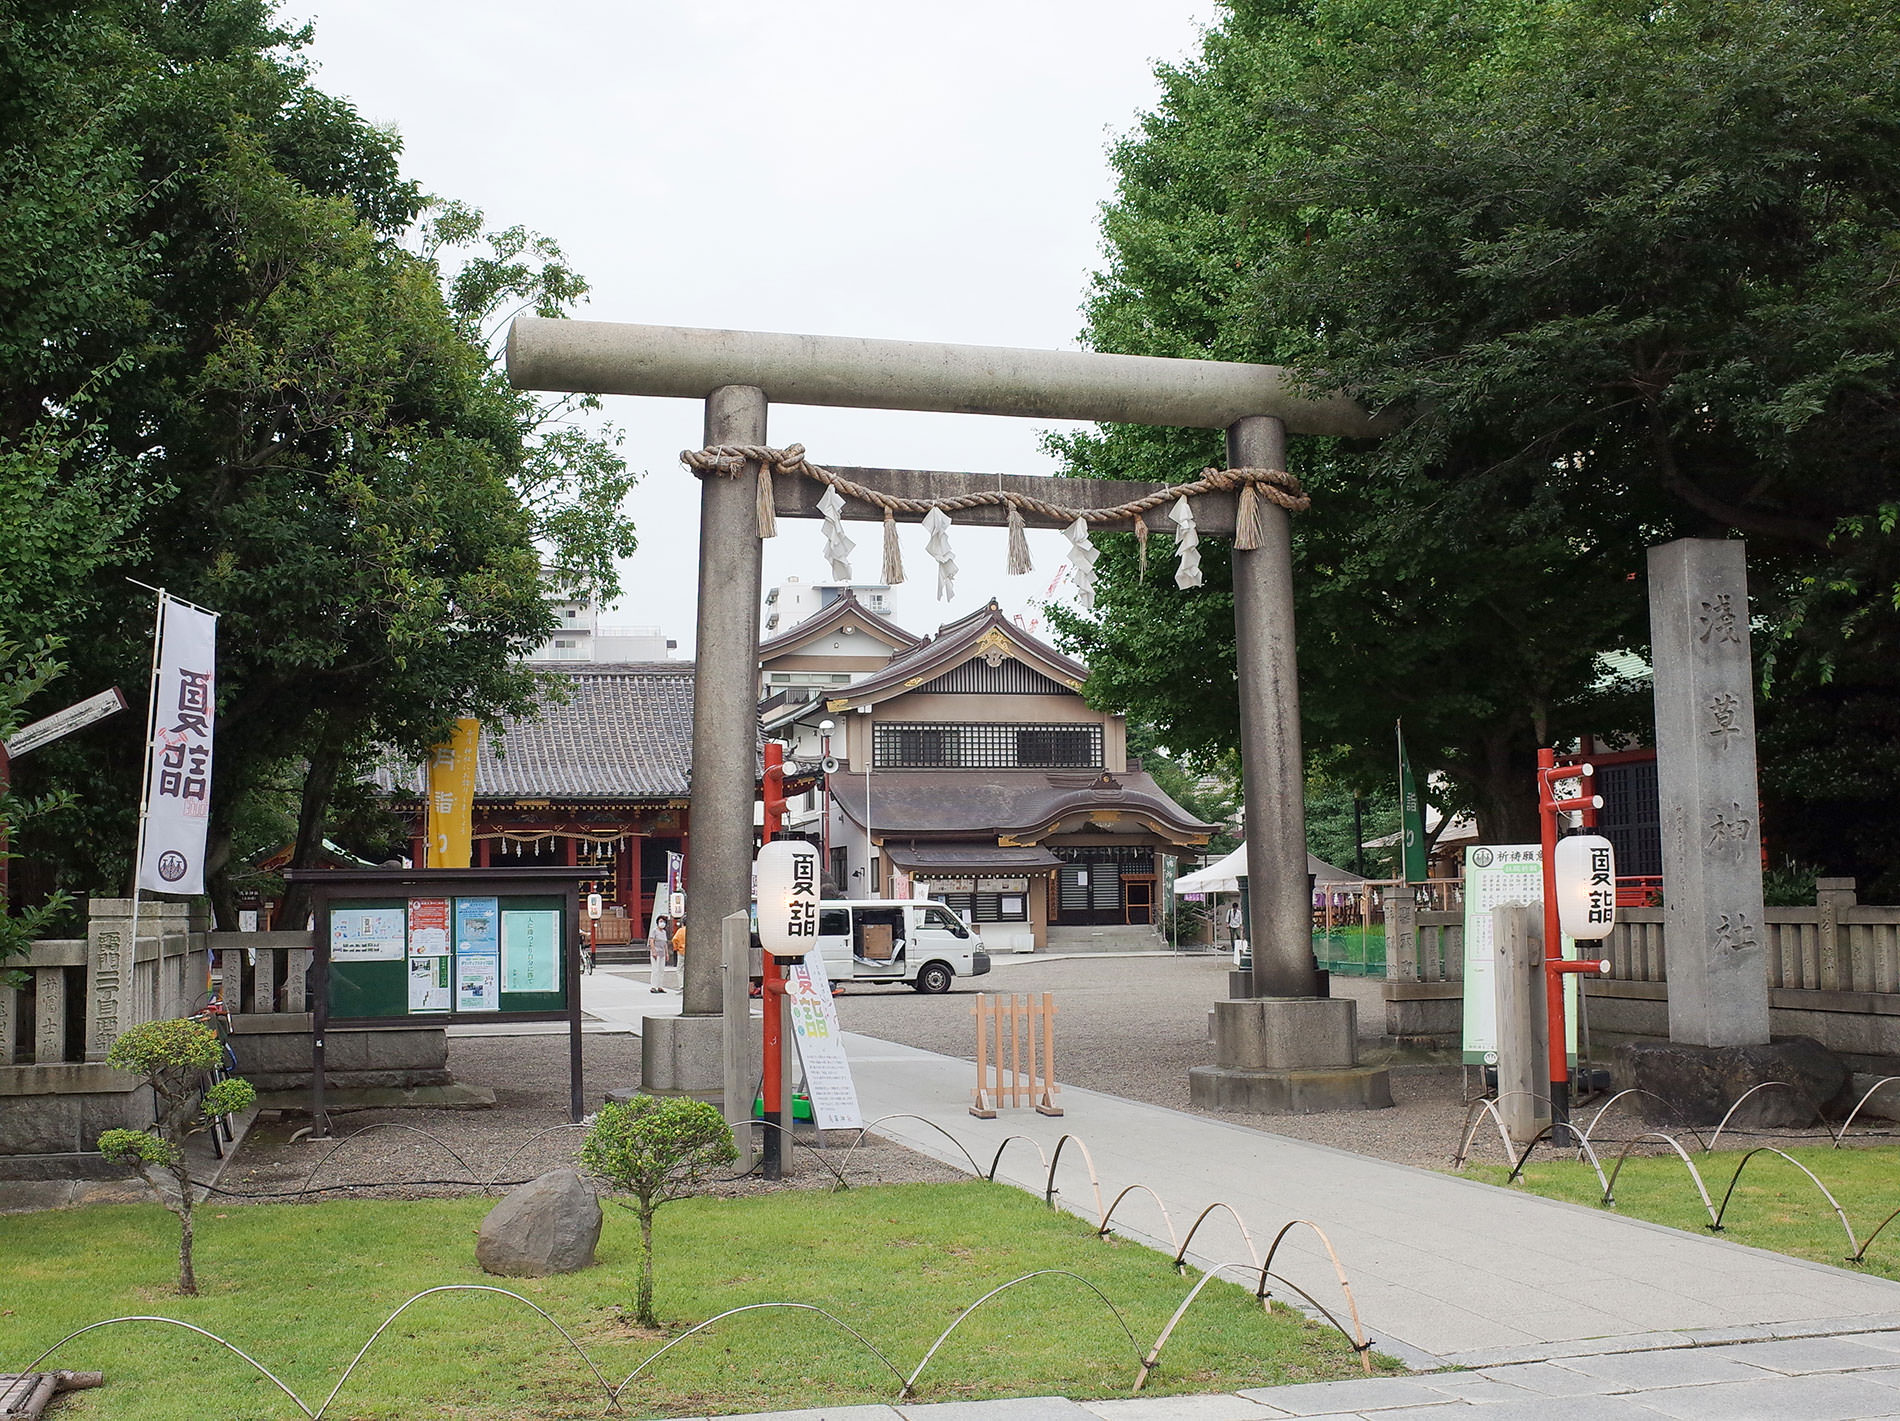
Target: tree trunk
[
  {"x": 643, "y": 1298},
  {"x": 318, "y": 786},
  {"x": 218, "y": 878},
  {"x": 1501, "y": 772},
  {"x": 187, "y": 1279}
]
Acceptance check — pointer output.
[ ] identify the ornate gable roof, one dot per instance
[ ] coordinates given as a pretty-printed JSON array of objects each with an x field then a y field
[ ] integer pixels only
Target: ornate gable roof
[{"x": 986, "y": 636}]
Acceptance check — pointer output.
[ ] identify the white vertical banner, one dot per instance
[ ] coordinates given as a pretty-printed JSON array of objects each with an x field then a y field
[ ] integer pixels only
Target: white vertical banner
[{"x": 178, "y": 768}]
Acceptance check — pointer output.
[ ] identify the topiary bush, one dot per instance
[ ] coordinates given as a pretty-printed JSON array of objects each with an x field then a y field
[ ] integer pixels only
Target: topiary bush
[
  {"x": 657, "y": 1149},
  {"x": 174, "y": 1058}
]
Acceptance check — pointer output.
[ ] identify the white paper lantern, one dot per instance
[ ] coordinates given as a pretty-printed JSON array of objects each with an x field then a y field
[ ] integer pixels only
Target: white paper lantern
[
  {"x": 788, "y": 897},
  {"x": 1586, "y": 886}
]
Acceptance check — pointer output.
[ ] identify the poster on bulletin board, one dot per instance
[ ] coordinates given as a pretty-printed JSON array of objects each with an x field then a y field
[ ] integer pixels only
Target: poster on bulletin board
[
  {"x": 531, "y": 951},
  {"x": 429, "y": 985},
  {"x": 366, "y": 934},
  {"x": 428, "y": 927}
]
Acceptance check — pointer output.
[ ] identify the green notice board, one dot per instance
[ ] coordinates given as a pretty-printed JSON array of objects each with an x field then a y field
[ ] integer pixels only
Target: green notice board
[{"x": 437, "y": 956}]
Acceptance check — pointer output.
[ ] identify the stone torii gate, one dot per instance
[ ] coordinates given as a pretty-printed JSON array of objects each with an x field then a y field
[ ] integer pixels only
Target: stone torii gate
[{"x": 739, "y": 373}]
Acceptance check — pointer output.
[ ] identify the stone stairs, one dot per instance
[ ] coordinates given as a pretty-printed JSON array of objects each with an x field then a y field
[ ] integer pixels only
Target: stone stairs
[{"x": 1107, "y": 938}]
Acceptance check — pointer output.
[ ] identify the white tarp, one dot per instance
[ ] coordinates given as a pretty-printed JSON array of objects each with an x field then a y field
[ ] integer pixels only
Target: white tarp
[
  {"x": 1224, "y": 875},
  {"x": 178, "y": 797}
]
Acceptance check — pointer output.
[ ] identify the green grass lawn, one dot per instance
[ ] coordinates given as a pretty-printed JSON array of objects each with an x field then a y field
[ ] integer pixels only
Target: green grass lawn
[
  {"x": 302, "y": 1287},
  {"x": 1775, "y": 1205}
]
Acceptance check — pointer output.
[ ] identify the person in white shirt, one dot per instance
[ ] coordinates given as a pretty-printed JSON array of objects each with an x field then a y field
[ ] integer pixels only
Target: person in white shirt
[{"x": 658, "y": 941}]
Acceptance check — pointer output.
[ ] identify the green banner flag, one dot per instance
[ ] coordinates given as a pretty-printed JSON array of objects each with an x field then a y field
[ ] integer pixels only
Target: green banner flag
[{"x": 1411, "y": 819}]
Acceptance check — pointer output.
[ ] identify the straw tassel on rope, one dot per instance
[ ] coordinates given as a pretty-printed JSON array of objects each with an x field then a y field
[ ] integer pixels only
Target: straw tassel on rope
[
  {"x": 1247, "y": 519},
  {"x": 893, "y": 554},
  {"x": 1018, "y": 544},
  {"x": 1141, "y": 548},
  {"x": 768, "y": 516}
]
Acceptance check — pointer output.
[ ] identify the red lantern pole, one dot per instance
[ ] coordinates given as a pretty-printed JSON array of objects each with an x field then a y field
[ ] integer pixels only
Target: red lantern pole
[
  {"x": 772, "y": 988},
  {"x": 1549, "y": 776}
]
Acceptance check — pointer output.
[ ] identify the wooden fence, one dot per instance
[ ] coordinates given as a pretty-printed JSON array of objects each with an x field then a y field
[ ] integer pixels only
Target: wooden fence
[{"x": 1015, "y": 1054}]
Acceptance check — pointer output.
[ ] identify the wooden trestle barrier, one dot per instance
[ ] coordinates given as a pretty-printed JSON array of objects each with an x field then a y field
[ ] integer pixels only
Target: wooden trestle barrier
[{"x": 1019, "y": 1031}]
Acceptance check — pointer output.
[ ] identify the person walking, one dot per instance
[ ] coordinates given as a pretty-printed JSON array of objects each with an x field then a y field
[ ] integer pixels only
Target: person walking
[
  {"x": 679, "y": 953},
  {"x": 657, "y": 946}
]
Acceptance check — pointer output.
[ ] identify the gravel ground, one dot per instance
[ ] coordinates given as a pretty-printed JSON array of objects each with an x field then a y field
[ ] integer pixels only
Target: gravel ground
[
  {"x": 1132, "y": 1025},
  {"x": 1127, "y": 1025},
  {"x": 525, "y": 1134}
]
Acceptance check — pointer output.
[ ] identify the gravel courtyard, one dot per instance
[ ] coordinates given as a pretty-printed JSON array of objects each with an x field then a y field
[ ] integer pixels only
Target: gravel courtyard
[{"x": 1132, "y": 1025}]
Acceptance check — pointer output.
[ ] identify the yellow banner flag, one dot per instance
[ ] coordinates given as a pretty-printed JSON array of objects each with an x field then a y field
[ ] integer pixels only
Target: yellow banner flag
[{"x": 452, "y": 798}]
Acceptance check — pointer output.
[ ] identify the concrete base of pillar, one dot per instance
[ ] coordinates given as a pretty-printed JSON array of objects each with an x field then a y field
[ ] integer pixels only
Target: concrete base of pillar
[
  {"x": 1290, "y": 1092},
  {"x": 684, "y": 1055},
  {"x": 1288, "y": 1056}
]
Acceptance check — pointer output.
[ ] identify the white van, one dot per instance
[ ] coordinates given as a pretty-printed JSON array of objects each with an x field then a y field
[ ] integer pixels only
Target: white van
[{"x": 919, "y": 943}]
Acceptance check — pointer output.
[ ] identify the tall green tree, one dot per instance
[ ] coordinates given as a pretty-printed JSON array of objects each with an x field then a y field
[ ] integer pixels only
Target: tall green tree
[
  {"x": 1622, "y": 272},
  {"x": 221, "y": 293}
]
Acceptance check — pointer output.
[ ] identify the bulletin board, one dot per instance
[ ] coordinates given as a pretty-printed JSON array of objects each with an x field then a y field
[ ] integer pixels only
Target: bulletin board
[
  {"x": 398, "y": 947},
  {"x": 453, "y": 946},
  {"x": 447, "y": 956}
]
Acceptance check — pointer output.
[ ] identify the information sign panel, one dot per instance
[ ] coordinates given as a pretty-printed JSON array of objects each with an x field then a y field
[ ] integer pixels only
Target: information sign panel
[
  {"x": 834, "y": 1099},
  {"x": 1497, "y": 874}
]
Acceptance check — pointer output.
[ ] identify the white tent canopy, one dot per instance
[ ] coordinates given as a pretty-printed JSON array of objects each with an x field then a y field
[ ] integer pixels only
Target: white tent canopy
[{"x": 1224, "y": 875}]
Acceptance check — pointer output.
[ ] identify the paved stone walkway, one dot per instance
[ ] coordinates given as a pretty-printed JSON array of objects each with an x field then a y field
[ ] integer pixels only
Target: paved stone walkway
[
  {"x": 1444, "y": 1270},
  {"x": 1555, "y": 1311},
  {"x": 1848, "y": 1378}
]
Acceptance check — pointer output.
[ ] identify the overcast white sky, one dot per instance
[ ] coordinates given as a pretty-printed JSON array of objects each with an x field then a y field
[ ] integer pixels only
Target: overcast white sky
[{"x": 921, "y": 172}]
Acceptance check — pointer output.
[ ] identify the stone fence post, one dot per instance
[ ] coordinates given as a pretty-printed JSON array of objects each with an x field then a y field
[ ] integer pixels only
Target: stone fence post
[
  {"x": 1401, "y": 934},
  {"x": 1831, "y": 897}
]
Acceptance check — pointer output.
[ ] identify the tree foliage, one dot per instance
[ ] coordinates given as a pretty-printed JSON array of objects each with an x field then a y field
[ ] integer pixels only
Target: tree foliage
[
  {"x": 1621, "y": 273},
  {"x": 24, "y": 672},
  {"x": 656, "y": 1149},
  {"x": 175, "y": 1058},
  {"x": 231, "y": 326}
]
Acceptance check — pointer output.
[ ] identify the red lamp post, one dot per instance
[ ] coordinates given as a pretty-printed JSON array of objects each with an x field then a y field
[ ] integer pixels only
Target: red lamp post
[
  {"x": 1549, "y": 806},
  {"x": 772, "y": 985}
]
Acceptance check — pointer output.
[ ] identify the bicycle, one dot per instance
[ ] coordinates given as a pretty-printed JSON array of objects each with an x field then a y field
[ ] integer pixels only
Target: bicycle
[{"x": 217, "y": 1016}]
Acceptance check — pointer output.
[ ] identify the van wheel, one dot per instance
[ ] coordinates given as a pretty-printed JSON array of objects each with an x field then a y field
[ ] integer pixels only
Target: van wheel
[{"x": 934, "y": 977}]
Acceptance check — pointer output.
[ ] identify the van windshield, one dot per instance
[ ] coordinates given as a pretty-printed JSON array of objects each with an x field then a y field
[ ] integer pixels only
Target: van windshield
[{"x": 944, "y": 918}]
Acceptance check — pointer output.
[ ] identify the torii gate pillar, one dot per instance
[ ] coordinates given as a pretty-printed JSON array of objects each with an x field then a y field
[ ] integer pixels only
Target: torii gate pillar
[
  {"x": 686, "y": 1054},
  {"x": 1272, "y": 762}
]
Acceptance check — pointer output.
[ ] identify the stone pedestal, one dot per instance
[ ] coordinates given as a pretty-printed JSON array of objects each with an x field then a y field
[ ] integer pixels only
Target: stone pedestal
[
  {"x": 1698, "y": 1084},
  {"x": 1287, "y": 1056},
  {"x": 273, "y": 1054},
  {"x": 684, "y": 1055}
]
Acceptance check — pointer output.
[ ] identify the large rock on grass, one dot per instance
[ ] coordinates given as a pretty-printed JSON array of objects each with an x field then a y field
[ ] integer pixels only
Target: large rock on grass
[{"x": 548, "y": 1225}]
